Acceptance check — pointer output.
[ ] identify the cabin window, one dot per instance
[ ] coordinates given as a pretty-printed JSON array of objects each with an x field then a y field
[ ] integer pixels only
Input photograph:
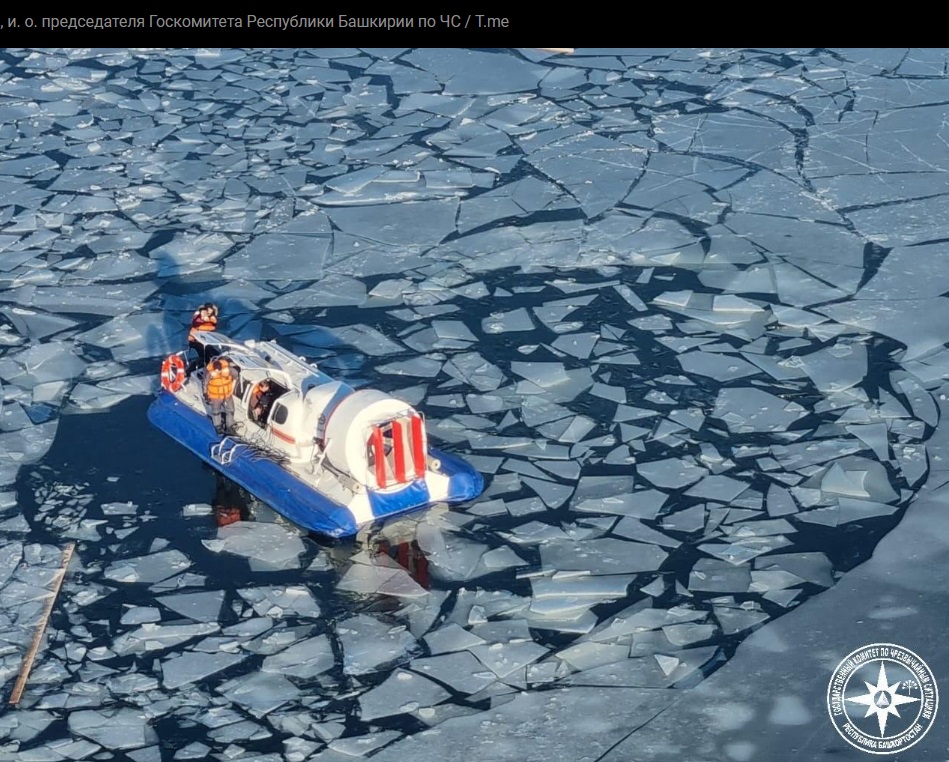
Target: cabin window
[{"x": 279, "y": 414}]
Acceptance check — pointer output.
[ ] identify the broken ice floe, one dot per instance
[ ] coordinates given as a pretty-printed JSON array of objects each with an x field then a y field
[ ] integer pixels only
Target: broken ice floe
[{"x": 679, "y": 379}]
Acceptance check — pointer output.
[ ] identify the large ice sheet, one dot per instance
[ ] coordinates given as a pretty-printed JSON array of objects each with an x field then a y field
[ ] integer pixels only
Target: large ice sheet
[{"x": 543, "y": 239}]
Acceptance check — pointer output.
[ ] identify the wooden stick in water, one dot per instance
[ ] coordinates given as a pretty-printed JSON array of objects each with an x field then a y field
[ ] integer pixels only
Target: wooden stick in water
[{"x": 27, "y": 665}]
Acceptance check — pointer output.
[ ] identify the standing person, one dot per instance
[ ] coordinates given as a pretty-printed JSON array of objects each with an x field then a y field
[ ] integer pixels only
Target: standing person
[
  {"x": 204, "y": 319},
  {"x": 219, "y": 384}
]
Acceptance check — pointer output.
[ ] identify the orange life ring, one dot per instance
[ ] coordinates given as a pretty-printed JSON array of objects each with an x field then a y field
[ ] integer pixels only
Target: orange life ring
[{"x": 173, "y": 373}]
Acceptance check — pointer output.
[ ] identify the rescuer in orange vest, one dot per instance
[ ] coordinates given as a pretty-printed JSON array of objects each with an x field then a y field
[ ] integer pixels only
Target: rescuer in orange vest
[{"x": 219, "y": 382}]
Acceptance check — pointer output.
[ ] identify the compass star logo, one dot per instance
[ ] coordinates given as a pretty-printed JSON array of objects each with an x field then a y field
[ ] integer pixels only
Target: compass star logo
[{"x": 882, "y": 698}]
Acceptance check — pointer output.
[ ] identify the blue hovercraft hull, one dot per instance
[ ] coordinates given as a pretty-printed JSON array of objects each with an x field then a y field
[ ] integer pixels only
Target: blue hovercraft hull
[{"x": 290, "y": 496}]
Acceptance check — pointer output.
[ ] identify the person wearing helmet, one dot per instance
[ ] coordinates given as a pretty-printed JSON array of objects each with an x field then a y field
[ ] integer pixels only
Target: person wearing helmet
[{"x": 204, "y": 319}]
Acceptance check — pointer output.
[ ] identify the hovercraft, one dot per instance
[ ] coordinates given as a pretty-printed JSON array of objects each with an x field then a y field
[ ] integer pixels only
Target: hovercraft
[{"x": 326, "y": 456}]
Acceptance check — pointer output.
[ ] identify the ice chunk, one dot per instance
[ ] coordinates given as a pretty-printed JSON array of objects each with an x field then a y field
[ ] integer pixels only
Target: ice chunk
[
  {"x": 746, "y": 409},
  {"x": 475, "y": 370},
  {"x": 687, "y": 520},
  {"x": 780, "y": 502},
  {"x": 849, "y": 509},
  {"x": 367, "y": 340},
  {"x": 451, "y": 637},
  {"x": 201, "y": 607},
  {"x": 506, "y": 658},
  {"x": 277, "y": 602},
  {"x": 421, "y": 367},
  {"x": 579, "y": 345},
  {"x": 460, "y": 671},
  {"x": 148, "y": 569},
  {"x": 9, "y": 560},
  {"x": 603, "y": 587},
  {"x": 402, "y": 692},
  {"x": 389, "y": 579},
  {"x": 508, "y": 322},
  {"x": 603, "y": 556},
  {"x": 452, "y": 557},
  {"x": 723, "y": 489},
  {"x": 588, "y": 655},
  {"x": 744, "y": 548},
  {"x": 141, "y": 615},
  {"x": 633, "y": 529},
  {"x": 812, "y": 566},
  {"x": 304, "y": 660},
  {"x": 195, "y": 666},
  {"x": 687, "y": 635},
  {"x": 115, "y": 728},
  {"x": 270, "y": 545},
  {"x": 709, "y": 575},
  {"x": 151, "y": 637},
  {"x": 835, "y": 368},
  {"x": 368, "y": 644},
  {"x": 360, "y": 746},
  {"x": 721, "y": 367},
  {"x": 671, "y": 473},
  {"x": 501, "y": 558},
  {"x": 259, "y": 692}
]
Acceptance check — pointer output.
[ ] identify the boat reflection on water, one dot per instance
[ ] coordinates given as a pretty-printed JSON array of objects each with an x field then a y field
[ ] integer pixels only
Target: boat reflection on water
[
  {"x": 394, "y": 542},
  {"x": 231, "y": 503},
  {"x": 408, "y": 555}
]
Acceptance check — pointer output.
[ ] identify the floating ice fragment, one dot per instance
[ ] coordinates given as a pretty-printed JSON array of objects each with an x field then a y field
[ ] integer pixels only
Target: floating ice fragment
[
  {"x": 709, "y": 575},
  {"x": 276, "y": 602},
  {"x": 152, "y": 637},
  {"x": 194, "y": 667},
  {"x": 271, "y": 545},
  {"x": 603, "y": 556},
  {"x": 360, "y": 746},
  {"x": 505, "y": 658},
  {"x": 389, "y": 579},
  {"x": 450, "y": 637},
  {"x": 723, "y": 489},
  {"x": 721, "y": 367},
  {"x": 670, "y": 473},
  {"x": 259, "y": 692},
  {"x": 583, "y": 656},
  {"x": 368, "y": 644},
  {"x": 507, "y": 322},
  {"x": 148, "y": 569},
  {"x": 305, "y": 660},
  {"x": 460, "y": 671},
  {"x": 401, "y": 692},
  {"x": 115, "y": 729},
  {"x": 812, "y": 566},
  {"x": 633, "y": 529},
  {"x": 201, "y": 607},
  {"x": 140, "y": 615},
  {"x": 780, "y": 502},
  {"x": 746, "y": 409},
  {"x": 835, "y": 368}
]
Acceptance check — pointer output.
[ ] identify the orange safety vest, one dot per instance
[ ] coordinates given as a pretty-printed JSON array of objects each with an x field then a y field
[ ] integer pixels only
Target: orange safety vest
[
  {"x": 199, "y": 325},
  {"x": 220, "y": 384}
]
